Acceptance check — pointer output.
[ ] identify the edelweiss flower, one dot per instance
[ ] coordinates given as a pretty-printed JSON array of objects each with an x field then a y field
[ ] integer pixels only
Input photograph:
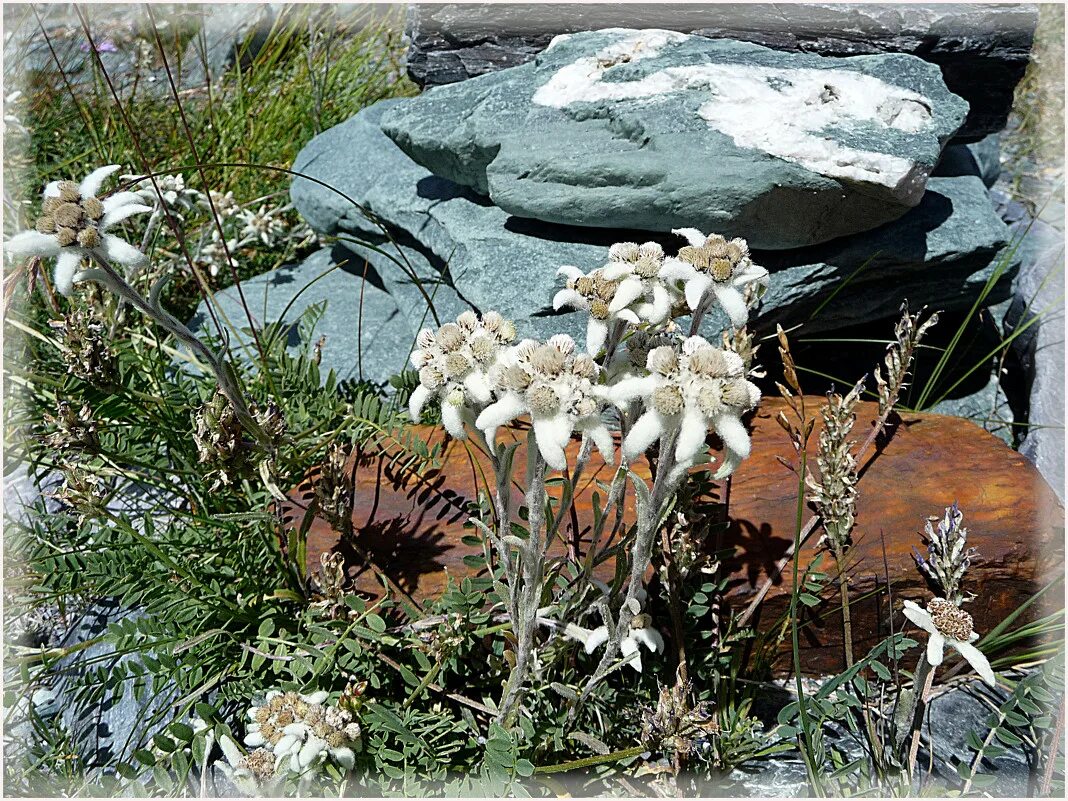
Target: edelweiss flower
[
  {"x": 948, "y": 623},
  {"x": 265, "y": 224},
  {"x": 73, "y": 225},
  {"x": 453, "y": 366},
  {"x": 252, "y": 773},
  {"x": 301, "y": 732},
  {"x": 714, "y": 263},
  {"x": 555, "y": 386},
  {"x": 176, "y": 195},
  {"x": 628, "y": 288},
  {"x": 689, "y": 391},
  {"x": 641, "y": 632}
]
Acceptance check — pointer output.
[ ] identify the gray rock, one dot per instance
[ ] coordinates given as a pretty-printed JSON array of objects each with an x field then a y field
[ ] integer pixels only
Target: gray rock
[
  {"x": 369, "y": 342},
  {"x": 1038, "y": 307},
  {"x": 786, "y": 150},
  {"x": 982, "y": 49},
  {"x": 982, "y": 158},
  {"x": 105, "y": 729},
  {"x": 939, "y": 253}
]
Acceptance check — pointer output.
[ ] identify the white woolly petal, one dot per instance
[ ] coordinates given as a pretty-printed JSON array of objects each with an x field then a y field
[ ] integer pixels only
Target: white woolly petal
[
  {"x": 657, "y": 311},
  {"x": 627, "y": 389},
  {"x": 344, "y": 757},
  {"x": 596, "y": 334},
  {"x": 596, "y": 638},
  {"x": 286, "y": 745},
  {"x": 694, "y": 237},
  {"x": 630, "y": 649},
  {"x": 91, "y": 184},
  {"x": 231, "y": 751},
  {"x": 32, "y": 243},
  {"x": 626, "y": 293},
  {"x": 309, "y": 752},
  {"x": 497, "y": 414},
  {"x": 66, "y": 266},
  {"x": 628, "y": 316},
  {"x": 919, "y": 617},
  {"x": 977, "y": 660},
  {"x": 271, "y": 694},
  {"x": 678, "y": 270},
  {"x": 114, "y": 216},
  {"x": 570, "y": 271},
  {"x": 750, "y": 274},
  {"x": 453, "y": 420},
  {"x": 691, "y": 439},
  {"x": 416, "y": 402},
  {"x": 477, "y": 386},
  {"x": 570, "y": 298},
  {"x": 254, "y": 739},
  {"x": 650, "y": 638},
  {"x": 616, "y": 269},
  {"x": 696, "y": 288},
  {"x": 602, "y": 438},
  {"x": 51, "y": 189},
  {"x": 644, "y": 432},
  {"x": 733, "y": 433},
  {"x": 317, "y": 697},
  {"x": 120, "y": 251},
  {"x": 296, "y": 729},
  {"x": 732, "y": 302},
  {"x": 552, "y": 434},
  {"x": 936, "y": 648},
  {"x": 121, "y": 199}
]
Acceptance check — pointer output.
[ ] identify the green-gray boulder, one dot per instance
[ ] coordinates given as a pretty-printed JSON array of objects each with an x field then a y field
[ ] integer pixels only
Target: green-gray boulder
[{"x": 655, "y": 130}]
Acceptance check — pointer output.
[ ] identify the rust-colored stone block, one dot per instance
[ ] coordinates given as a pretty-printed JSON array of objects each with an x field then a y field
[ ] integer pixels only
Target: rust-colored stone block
[{"x": 412, "y": 524}]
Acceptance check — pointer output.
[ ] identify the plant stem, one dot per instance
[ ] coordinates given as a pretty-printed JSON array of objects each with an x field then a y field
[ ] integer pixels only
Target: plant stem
[
  {"x": 922, "y": 681},
  {"x": 807, "y": 747},
  {"x": 532, "y": 569},
  {"x": 847, "y": 623}
]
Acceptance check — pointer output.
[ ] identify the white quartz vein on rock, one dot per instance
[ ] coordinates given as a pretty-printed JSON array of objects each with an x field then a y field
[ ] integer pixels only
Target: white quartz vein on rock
[{"x": 780, "y": 111}]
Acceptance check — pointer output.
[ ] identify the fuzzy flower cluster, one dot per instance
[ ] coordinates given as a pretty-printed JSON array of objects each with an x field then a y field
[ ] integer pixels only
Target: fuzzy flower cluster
[
  {"x": 298, "y": 734},
  {"x": 640, "y": 284},
  {"x": 75, "y": 224},
  {"x": 689, "y": 388},
  {"x": 556, "y": 386},
  {"x": 453, "y": 365},
  {"x": 682, "y": 387}
]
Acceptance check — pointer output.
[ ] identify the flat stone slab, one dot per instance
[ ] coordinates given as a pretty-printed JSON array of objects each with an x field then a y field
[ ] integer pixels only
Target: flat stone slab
[
  {"x": 366, "y": 333},
  {"x": 940, "y": 253},
  {"x": 981, "y": 48},
  {"x": 654, "y": 130},
  {"x": 412, "y": 522}
]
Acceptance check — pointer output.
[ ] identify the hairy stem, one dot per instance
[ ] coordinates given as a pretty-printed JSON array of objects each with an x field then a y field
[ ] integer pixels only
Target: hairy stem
[{"x": 532, "y": 569}]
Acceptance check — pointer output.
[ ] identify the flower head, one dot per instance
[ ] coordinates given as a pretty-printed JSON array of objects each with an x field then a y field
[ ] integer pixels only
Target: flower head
[
  {"x": 454, "y": 363},
  {"x": 629, "y": 288},
  {"x": 302, "y": 731},
  {"x": 74, "y": 224},
  {"x": 948, "y": 623},
  {"x": 555, "y": 386},
  {"x": 641, "y": 632},
  {"x": 712, "y": 263},
  {"x": 687, "y": 390}
]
